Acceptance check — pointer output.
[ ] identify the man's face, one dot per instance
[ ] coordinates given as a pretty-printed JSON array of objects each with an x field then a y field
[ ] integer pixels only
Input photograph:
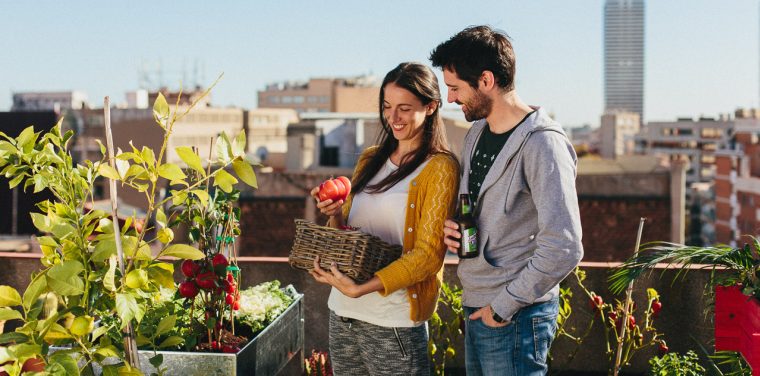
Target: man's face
[{"x": 475, "y": 104}]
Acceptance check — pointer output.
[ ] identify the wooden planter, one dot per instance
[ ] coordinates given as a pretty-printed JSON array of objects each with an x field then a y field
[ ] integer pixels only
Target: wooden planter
[{"x": 737, "y": 324}]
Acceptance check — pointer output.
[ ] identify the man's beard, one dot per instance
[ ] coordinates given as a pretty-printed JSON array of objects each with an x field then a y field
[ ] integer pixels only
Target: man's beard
[{"x": 479, "y": 107}]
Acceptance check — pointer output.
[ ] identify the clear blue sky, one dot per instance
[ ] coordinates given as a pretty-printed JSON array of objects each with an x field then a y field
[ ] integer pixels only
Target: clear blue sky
[{"x": 701, "y": 56}]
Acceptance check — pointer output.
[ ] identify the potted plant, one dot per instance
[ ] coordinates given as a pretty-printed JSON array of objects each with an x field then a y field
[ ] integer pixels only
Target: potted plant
[
  {"x": 79, "y": 263},
  {"x": 736, "y": 286},
  {"x": 674, "y": 364}
]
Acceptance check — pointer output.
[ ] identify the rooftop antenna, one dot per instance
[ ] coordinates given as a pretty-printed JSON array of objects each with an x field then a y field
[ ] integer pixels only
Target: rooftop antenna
[
  {"x": 196, "y": 81},
  {"x": 184, "y": 71},
  {"x": 161, "y": 74}
]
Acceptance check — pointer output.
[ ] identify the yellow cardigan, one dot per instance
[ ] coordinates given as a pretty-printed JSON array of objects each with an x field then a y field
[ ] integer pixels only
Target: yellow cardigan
[{"x": 431, "y": 199}]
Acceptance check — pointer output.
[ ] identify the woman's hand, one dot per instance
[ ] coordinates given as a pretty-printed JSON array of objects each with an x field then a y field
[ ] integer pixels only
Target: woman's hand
[
  {"x": 328, "y": 207},
  {"x": 336, "y": 279}
]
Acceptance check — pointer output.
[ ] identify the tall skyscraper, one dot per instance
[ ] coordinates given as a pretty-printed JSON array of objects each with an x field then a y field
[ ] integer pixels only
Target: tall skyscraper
[{"x": 624, "y": 56}]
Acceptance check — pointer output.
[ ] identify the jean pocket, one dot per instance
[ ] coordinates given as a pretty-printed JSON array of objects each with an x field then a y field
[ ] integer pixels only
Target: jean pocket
[
  {"x": 544, "y": 328},
  {"x": 400, "y": 342}
]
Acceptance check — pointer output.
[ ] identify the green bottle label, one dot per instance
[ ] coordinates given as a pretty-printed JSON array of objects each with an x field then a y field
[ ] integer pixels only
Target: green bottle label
[{"x": 470, "y": 241}]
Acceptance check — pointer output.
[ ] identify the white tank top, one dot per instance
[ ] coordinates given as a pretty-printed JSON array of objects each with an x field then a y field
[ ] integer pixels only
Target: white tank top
[{"x": 383, "y": 215}]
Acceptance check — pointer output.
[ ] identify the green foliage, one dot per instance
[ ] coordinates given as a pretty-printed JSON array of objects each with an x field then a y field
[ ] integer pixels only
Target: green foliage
[
  {"x": 728, "y": 363},
  {"x": 564, "y": 330},
  {"x": 444, "y": 334},
  {"x": 742, "y": 264},
  {"x": 640, "y": 332},
  {"x": 673, "y": 364},
  {"x": 9, "y": 297},
  {"x": 79, "y": 248}
]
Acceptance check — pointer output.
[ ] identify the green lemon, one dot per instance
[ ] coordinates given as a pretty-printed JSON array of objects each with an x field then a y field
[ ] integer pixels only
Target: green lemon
[
  {"x": 68, "y": 319},
  {"x": 82, "y": 325},
  {"x": 165, "y": 235},
  {"x": 137, "y": 278}
]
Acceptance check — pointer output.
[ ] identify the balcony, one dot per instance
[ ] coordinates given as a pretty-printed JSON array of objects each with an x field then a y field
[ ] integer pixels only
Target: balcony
[{"x": 686, "y": 309}]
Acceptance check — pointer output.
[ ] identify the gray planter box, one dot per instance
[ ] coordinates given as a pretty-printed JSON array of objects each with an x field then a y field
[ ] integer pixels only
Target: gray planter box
[{"x": 266, "y": 354}]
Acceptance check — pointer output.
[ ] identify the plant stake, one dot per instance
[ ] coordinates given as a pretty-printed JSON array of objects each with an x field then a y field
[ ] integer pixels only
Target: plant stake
[
  {"x": 628, "y": 301},
  {"x": 130, "y": 345}
]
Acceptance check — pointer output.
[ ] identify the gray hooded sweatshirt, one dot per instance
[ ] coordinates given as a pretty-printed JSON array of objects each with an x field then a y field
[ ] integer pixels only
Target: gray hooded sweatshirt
[{"x": 529, "y": 227}]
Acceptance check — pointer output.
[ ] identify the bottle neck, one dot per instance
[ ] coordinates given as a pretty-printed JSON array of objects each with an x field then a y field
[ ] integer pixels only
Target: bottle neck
[{"x": 464, "y": 205}]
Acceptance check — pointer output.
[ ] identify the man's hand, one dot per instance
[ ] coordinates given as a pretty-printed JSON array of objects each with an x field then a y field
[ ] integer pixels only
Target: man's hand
[
  {"x": 451, "y": 235},
  {"x": 485, "y": 314},
  {"x": 335, "y": 278}
]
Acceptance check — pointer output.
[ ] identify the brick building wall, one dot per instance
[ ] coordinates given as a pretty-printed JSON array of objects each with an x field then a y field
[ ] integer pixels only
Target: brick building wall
[
  {"x": 268, "y": 213},
  {"x": 737, "y": 189},
  {"x": 267, "y": 225},
  {"x": 610, "y": 207},
  {"x": 610, "y": 224}
]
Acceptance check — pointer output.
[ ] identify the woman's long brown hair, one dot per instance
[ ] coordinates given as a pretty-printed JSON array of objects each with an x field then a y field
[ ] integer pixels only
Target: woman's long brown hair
[{"x": 422, "y": 82}]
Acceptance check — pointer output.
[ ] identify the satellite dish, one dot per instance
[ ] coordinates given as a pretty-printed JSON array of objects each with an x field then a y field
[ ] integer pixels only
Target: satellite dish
[{"x": 262, "y": 153}]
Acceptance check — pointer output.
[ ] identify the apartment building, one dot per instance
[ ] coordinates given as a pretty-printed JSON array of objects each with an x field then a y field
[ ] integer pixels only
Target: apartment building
[
  {"x": 617, "y": 133},
  {"x": 737, "y": 182},
  {"x": 58, "y": 101},
  {"x": 695, "y": 140},
  {"x": 267, "y": 131},
  {"x": 354, "y": 94}
]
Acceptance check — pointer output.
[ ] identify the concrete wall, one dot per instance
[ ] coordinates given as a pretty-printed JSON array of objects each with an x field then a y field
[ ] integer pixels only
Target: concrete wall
[{"x": 686, "y": 316}]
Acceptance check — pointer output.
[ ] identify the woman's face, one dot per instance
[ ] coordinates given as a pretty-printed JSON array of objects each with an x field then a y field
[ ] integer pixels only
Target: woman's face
[{"x": 404, "y": 113}]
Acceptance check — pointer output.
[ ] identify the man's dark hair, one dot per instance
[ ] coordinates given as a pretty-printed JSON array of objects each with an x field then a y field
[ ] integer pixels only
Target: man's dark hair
[{"x": 474, "y": 50}]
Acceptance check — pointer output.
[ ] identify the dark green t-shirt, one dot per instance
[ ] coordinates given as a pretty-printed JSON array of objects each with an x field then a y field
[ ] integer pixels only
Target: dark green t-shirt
[{"x": 488, "y": 147}]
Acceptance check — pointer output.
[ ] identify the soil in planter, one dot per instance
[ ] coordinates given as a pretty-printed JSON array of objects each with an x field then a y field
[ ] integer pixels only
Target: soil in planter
[{"x": 228, "y": 340}]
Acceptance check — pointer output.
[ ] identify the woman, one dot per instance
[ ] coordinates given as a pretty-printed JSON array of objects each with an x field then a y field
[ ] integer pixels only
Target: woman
[{"x": 403, "y": 190}]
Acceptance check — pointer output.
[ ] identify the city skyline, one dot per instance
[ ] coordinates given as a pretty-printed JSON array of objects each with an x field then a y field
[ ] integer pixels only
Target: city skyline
[{"x": 701, "y": 56}]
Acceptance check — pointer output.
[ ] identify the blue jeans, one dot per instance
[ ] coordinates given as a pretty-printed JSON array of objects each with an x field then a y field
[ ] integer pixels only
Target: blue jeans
[{"x": 517, "y": 349}]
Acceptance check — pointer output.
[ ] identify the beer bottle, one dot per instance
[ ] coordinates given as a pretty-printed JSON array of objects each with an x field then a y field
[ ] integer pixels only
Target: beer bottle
[{"x": 468, "y": 243}]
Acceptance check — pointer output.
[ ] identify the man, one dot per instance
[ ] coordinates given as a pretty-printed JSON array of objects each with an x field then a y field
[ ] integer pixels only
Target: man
[{"x": 519, "y": 169}]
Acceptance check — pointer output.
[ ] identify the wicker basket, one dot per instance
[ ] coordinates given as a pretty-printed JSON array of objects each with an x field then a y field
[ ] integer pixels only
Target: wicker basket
[{"x": 356, "y": 254}]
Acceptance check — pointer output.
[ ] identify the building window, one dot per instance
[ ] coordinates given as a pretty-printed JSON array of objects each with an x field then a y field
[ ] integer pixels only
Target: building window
[
  {"x": 324, "y": 99},
  {"x": 274, "y": 99},
  {"x": 312, "y": 99},
  {"x": 287, "y": 99},
  {"x": 329, "y": 156},
  {"x": 710, "y": 133},
  {"x": 707, "y": 172}
]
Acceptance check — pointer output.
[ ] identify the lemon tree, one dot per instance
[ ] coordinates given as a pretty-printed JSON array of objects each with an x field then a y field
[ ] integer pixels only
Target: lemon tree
[{"x": 79, "y": 262}]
